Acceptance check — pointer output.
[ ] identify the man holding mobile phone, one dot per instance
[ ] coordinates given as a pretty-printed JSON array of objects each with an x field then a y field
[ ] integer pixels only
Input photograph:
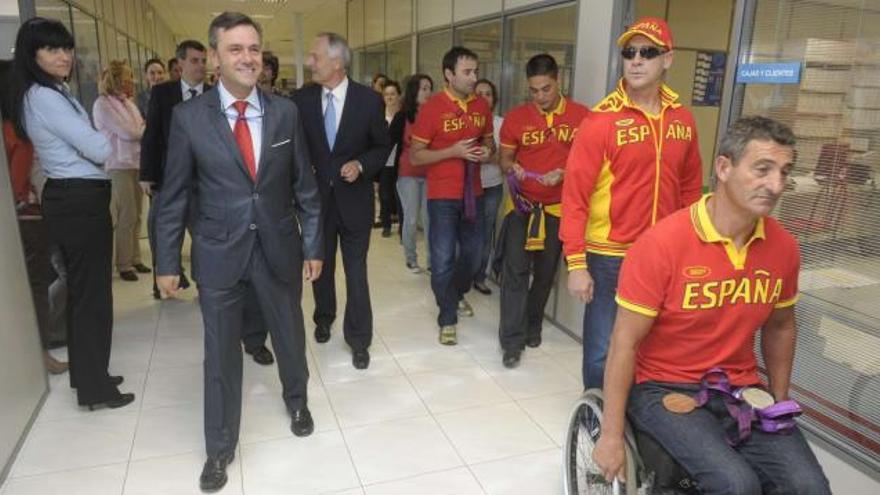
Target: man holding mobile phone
[{"x": 453, "y": 135}]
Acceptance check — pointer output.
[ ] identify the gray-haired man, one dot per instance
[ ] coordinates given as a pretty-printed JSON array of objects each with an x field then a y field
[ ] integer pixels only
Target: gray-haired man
[{"x": 345, "y": 128}]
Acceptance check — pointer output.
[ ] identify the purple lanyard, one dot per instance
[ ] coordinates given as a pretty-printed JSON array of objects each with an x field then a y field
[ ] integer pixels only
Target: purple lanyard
[
  {"x": 776, "y": 418},
  {"x": 470, "y": 199},
  {"x": 522, "y": 205}
]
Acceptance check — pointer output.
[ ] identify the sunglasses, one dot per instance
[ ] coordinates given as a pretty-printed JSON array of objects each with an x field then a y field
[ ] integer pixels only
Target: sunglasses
[{"x": 646, "y": 52}]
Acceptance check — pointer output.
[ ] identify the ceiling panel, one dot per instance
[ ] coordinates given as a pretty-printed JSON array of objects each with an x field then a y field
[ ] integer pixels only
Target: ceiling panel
[{"x": 190, "y": 18}]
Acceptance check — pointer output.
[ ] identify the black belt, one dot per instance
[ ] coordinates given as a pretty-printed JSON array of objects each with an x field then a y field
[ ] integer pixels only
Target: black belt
[{"x": 78, "y": 183}]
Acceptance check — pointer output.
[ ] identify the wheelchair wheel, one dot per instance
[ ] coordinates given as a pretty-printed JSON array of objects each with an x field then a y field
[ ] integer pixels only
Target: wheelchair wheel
[{"x": 581, "y": 476}]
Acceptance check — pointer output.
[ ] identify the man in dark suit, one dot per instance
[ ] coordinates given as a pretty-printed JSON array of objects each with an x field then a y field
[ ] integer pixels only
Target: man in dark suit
[
  {"x": 258, "y": 225},
  {"x": 191, "y": 56},
  {"x": 345, "y": 126}
]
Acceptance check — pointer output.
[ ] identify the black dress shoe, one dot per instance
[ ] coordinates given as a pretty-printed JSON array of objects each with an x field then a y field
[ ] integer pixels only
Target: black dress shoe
[
  {"x": 213, "y": 475},
  {"x": 141, "y": 268},
  {"x": 116, "y": 380},
  {"x": 301, "y": 423},
  {"x": 262, "y": 355},
  {"x": 482, "y": 288},
  {"x": 361, "y": 359},
  {"x": 322, "y": 334},
  {"x": 122, "y": 400},
  {"x": 533, "y": 341},
  {"x": 386, "y": 233},
  {"x": 128, "y": 276},
  {"x": 511, "y": 358},
  {"x": 184, "y": 282},
  {"x": 156, "y": 294}
]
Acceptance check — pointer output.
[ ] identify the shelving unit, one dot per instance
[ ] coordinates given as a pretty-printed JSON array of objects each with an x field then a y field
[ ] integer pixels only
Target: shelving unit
[{"x": 835, "y": 114}]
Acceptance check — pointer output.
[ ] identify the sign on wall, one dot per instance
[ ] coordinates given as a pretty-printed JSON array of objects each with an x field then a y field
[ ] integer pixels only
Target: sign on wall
[
  {"x": 709, "y": 79},
  {"x": 769, "y": 73}
]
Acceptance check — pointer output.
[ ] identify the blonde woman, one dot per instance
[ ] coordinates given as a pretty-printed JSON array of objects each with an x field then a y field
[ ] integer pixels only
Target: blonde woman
[{"x": 118, "y": 118}]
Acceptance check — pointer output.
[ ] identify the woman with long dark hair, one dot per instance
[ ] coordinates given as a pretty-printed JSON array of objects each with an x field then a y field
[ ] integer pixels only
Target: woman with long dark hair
[
  {"x": 410, "y": 179},
  {"x": 76, "y": 200},
  {"x": 388, "y": 199}
]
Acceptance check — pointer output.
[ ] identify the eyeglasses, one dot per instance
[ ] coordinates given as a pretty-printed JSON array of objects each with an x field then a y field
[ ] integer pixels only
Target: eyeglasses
[{"x": 647, "y": 52}]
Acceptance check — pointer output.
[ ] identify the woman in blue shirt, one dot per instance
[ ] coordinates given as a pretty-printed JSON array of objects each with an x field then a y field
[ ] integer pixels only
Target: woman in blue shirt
[{"x": 76, "y": 200}]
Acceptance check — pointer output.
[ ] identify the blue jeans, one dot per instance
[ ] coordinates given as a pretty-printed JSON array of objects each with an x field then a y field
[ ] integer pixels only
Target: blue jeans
[
  {"x": 765, "y": 462},
  {"x": 455, "y": 254},
  {"x": 491, "y": 200},
  {"x": 413, "y": 199},
  {"x": 599, "y": 317}
]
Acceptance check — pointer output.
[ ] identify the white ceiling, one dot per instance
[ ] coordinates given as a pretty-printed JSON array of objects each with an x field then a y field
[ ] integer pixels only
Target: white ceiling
[{"x": 190, "y": 18}]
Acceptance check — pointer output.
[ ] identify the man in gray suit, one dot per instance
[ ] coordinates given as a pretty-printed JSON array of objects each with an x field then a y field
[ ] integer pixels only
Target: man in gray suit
[{"x": 245, "y": 151}]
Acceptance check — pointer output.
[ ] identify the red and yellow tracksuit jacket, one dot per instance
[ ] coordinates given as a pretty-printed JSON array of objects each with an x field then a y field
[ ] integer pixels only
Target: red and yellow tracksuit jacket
[{"x": 627, "y": 169}]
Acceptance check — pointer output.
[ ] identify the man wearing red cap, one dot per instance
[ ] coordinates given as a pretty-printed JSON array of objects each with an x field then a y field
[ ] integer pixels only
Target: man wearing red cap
[{"x": 634, "y": 161}]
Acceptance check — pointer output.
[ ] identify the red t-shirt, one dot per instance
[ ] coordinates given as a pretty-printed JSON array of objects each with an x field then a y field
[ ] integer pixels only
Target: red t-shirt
[
  {"x": 542, "y": 141},
  {"x": 442, "y": 121},
  {"x": 20, "y": 155},
  {"x": 405, "y": 166},
  {"x": 707, "y": 298}
]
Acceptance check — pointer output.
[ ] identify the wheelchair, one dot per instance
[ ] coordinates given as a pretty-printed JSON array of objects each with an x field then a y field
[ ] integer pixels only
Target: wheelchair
[{"x": 649, "y": 470}]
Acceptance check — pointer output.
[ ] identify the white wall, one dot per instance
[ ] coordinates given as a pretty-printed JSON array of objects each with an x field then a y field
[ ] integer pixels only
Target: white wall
[
  {"x": 469, "y": 9},
  {"x": 9, "y": 7},
  {"x": 434, "y": 13},
  {"x": 23, "y": 380}
]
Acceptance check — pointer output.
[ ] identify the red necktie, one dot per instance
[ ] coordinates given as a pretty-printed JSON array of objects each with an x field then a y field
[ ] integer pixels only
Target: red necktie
[{"x": 243, "y": 137}]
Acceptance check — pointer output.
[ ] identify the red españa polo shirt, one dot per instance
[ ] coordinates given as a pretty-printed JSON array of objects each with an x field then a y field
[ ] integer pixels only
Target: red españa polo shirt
[
  {"x": 442, "y": 121},
  {"x": 707, "y": 298}
]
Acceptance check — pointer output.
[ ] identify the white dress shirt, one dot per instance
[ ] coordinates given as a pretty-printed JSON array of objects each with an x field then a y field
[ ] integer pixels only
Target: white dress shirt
[
  {"x": 200, "y": 88},
  {"x": 338, "y": 93},
  {"x": 253, "y": 113}
]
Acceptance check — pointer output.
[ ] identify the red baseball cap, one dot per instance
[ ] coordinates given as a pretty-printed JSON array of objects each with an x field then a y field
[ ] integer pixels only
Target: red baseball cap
[{"x": 653, "y": 28}]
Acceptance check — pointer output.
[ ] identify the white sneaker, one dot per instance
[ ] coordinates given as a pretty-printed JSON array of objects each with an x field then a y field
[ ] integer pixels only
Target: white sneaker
[
  {"x": 413, "y": 267},
  {"x": 465, "y": 309}
]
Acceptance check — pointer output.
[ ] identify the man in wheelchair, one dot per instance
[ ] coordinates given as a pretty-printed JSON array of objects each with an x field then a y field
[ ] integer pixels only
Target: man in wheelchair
[{"x": 693, "y": 292}]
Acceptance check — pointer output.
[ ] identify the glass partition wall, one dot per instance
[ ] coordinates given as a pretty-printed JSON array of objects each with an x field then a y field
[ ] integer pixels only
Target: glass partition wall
[
  {"x": 503, "y": 43},
  {"x": 830, "y": 203}
]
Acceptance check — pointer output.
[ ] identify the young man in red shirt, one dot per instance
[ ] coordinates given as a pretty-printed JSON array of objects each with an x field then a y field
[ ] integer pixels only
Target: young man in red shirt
[
  {"x": 453, "y": 135},
  {"x": 635, "y": 160},
  {"x": 535, "y": 141},
  {"x": 693, "y": 292}
]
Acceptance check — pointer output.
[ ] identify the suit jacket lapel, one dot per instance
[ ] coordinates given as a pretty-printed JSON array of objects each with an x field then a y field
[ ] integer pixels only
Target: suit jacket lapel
[
  {"x": 220, "y": 123},
  {"x": 269, "y": 124},
  {"x": 347, "y": 111},
  {"x": 177, "y": 95}
]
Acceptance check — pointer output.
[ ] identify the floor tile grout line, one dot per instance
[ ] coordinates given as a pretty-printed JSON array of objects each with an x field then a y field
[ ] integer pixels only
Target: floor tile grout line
[
  {"x": 60, "y": 471},
  {"x": 440, "y": 426},
  {"x": 414, "y": 476},
  {"x": 141, "y": 402},
  {"x": 518, "y": 405},
  {"x": 338, "y": 424},
  {"x": 430, "y": 414},
  {"x": 515, "y": 456}
]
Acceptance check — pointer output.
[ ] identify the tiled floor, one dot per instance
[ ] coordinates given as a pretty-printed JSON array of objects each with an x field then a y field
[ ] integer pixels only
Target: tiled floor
[{"x": 423, "y": 418}]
